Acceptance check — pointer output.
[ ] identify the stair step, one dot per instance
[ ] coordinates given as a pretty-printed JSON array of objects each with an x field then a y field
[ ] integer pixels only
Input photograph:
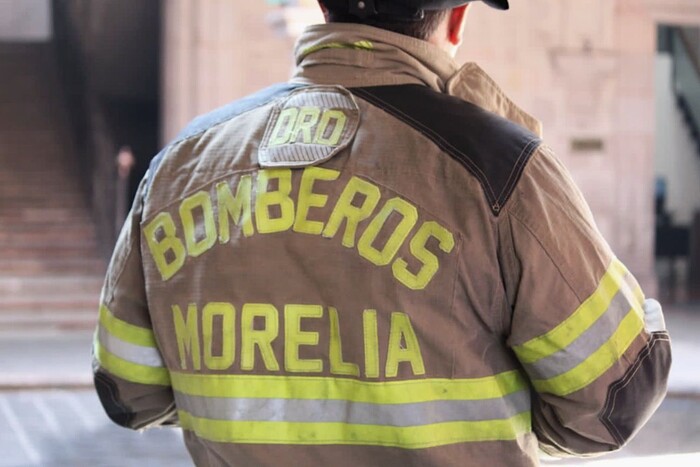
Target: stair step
[
  {"x": 19, "y": 320},
  {"x": 51, "y": 269},
  {"x": 24, "y": 247},
  {"x": 39, "y": 227},
  {"x": 51, "y": 284},
  {"x": 44, "y": 215},
  {"x": 21, "y": 267},
  {"x": 75, "y": 302},
  {"x": 35, "y": 236},
  {"x": 45, "y": 252}
]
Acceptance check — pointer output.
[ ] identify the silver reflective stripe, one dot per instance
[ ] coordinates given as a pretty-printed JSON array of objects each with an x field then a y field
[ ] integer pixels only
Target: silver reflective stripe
[
  {"x": 342, "y": 411},
  {"x": 589, "y": 341},
  {"x": 146, "y": 356}
]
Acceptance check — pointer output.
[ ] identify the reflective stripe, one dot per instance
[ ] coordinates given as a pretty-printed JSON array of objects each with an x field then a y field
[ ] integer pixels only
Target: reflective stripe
[
  {"x": 130, "y": 371},
  {"x": 316, "y": 410},
  {"x": 411, "y": 437},
  {"x": 393, "y": 392},
  {"x": 357, "y": 413},
  {"x": 598, "y": 362},
  {"x": 584, "y": 316},
  {"x": 125, "y": 331},
  {"x": 588, "y": 342},
  {"x": 147, "y": 356},
  {"x": 591, "y": 340}
]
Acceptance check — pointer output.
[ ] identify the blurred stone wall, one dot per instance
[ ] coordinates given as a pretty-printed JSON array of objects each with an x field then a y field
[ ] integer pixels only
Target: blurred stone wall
[{"x": 215, "y": 51}]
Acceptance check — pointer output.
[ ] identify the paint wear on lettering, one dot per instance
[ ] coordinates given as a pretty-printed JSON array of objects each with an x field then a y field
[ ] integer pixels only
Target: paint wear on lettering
[
  {"x": 209, "y": 337},
  {"x": 205, "y": 219}
]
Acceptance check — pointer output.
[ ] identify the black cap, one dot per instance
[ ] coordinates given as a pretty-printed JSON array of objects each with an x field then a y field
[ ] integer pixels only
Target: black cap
[{"x": 403, "y": 9}]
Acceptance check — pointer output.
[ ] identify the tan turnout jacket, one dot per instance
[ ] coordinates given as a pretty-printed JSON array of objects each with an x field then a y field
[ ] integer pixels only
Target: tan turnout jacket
[{"x": 376, "y": 264}]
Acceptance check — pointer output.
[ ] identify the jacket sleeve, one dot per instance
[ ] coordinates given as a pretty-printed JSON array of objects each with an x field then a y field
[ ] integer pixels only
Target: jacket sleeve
[
  {"x": 131, "y": 380},
  {"x": 577, "y": 323}
]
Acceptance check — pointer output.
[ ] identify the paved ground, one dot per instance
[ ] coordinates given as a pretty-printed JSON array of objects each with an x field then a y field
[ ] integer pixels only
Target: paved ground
[{"x": 59, "y": 428}]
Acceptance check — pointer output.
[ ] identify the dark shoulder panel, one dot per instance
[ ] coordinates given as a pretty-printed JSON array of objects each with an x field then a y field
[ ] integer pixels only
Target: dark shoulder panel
[
  {"x": 491, "y": 148},
  {"x": 230, "y": 111}
]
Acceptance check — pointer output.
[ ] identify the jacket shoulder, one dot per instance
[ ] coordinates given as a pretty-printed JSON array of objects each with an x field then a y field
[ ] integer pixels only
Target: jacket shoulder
[
  {"x": 221, "y": 115},
  {"x": 491, "y": 148}
]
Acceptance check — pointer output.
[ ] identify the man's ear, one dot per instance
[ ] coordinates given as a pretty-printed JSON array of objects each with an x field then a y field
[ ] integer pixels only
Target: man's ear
[
  {"x": 455, "y": 25},
  {"x": 323, "y": 9}
]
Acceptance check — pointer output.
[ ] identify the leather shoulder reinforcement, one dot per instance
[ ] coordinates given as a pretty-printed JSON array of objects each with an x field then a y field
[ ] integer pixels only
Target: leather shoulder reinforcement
[{"x": 491, "y": 148}]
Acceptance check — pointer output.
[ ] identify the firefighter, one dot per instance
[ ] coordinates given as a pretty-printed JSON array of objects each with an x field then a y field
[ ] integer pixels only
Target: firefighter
[{"x": 377, "y": 263}]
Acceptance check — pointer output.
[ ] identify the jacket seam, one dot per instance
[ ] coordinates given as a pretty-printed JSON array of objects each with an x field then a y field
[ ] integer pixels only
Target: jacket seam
[
  {"x": 418, "y": 204},
  {"x": 453, "y": 300},
  {"x": 609, "y": 407},
  {"x": 122, "y": 268},
  {"x": 549, "y": 256},
  {"x": 433, "y": 136},
  {"x": 194, "y": 190},
  {"x": 179, "y": 141},
  {"x": 511, "y": 266},
  {"x": 518, "y": 169},
  {"x": 496, "y": 201}
]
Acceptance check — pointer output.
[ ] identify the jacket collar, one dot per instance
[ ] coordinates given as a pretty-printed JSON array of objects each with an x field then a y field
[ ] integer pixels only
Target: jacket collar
[{"x": 355, "y": 55}]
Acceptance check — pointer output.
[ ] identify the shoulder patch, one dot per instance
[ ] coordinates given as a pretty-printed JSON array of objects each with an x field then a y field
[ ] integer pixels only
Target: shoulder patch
[
  {"x": 309, "y": 126},
  {"x": 491, "y": 148}
]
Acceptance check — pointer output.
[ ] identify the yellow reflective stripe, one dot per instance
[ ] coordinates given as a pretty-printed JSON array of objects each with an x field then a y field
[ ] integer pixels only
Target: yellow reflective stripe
[
  {"x": 125, "y": 331},
  {"x": 358, "y": 45},
  {"x": 412, "y": 437},
  {"x": 598, "y": 362},
  {"x": 302, "y": 387},
  {"x": 584, "y": 316},
  {"x": 129, "y": 371}
]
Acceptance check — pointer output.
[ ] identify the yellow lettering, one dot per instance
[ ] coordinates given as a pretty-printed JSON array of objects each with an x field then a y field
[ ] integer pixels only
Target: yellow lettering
[
  {"x": 262, "y": 338},
  {"x": 420, "y": 280},
  {"x": 401, "y": 330},
  {"x": 409, "y": 217},
  {"x": 195, "y": 246},
  {"x": 353, "y": 215},
  {"x": 227, "y": 314},
  {"x": 308, "y": 199},
  {"x": 237, "y": 208},
  {"x": 337, "y": 116},
  {"x": 282, "y": 132},
  {"x": 335, "y": 351},
  {"x": 294, "y": 338},
  {"x": 369, "y": 324},
  {"x": 168, "y": 253},
  {"x": 308, "y": 116},
  {"x": 266, "y": 199},
  {"x": 187, "y": 334}
]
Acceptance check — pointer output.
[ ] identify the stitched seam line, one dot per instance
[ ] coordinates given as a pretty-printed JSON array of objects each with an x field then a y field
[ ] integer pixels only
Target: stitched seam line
[
  {"x": 193, "y": 190},
  {"x": 609, "y": 408},
  {"x": 437, "y": 139},
  {"x": 546, "y": 252},
  {"x": 166, "y": 150},
  {"x": 518, "y": 168}
]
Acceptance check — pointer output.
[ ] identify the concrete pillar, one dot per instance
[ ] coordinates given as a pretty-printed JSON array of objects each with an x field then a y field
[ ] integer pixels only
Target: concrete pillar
[{"x": 216, "y": 51}]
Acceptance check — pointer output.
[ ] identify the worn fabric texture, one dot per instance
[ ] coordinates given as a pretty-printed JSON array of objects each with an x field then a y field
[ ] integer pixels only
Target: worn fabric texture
[{"x": 377, "y": 263}]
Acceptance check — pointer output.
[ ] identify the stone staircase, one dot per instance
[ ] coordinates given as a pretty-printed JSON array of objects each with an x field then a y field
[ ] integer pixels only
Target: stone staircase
[{"x": 50, "y": 267}]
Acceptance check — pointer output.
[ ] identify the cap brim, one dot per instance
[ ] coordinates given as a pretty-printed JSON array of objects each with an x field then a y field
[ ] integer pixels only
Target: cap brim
[{"x": 498, "y": 4}]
